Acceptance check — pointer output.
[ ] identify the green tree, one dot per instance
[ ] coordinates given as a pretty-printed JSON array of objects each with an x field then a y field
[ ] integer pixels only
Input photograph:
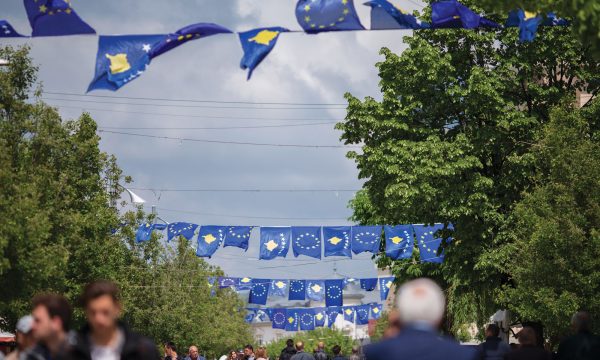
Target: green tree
[
  {"x": 311, "y": 339},
  {"x": 451, "y": 142}
]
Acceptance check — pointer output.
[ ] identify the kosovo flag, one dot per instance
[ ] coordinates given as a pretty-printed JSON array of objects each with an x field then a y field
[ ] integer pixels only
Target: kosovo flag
[
  {"x": 261, "y": 315},
  {"x": 227, "y": 282},
  {"x": 260, "y": 291},
  {"x": 349, "y": 312},
  {"x": 54, "y": 18},
  {"x": 349, "y": 281},
  {"x": 334, "y": 293},
  {"x": 452, "y": 14},
  {"x": 552, "y": 20},
  {"x": 144, "y": 232},
  {"x": 337, "y": 241},
  {"x": 183, "y": 35},
  {"x": 279, "y": 287},
  {"x": 181, "y": 228},
  {"x": 429, "y": 243},
  {"x": 209, "y": 240},
  {"x": 291, "y": 321},
  {"x": 332, "y": 314},
  {"x": 362, "y": 314},
  {"x": 320, "y": 317},
  {"x": 315, "y": 290},
  {"x": 244, "y": 283},
  {"x": 257, "y": 44},
  {"x": 385, "y": 284},
  {"x": 306, "y": 240},
  {"x": 274, "y": 242},
  {"x": 6, "y": 30},
  {"x": 368, "y": 284},
  {"x": 238, "y": 236},
  {"x": 297, "y": 290},
  {"x": 366, "y": 239},
  {"x": 385, "y": 15},
  {"x": 526, "y": 22},
  {"x": 120, "y": 59},
  {"x": 376, "y": 310},
  {"x": 327, "y": 15},
  {"x": 250, "y": 315},
  {"x": 306, "y": 318},
  {"x": 399, "y": 241},
  {"x": 278, "y": 318}
]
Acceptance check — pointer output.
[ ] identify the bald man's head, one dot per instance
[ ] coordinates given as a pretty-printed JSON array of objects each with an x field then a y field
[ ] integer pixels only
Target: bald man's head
[
  {"x": 421, "y": 301},
  {"x": 193, "y": 352},
  {"x": 321, "y": 345},
  {"x": 299, "y": 346}
]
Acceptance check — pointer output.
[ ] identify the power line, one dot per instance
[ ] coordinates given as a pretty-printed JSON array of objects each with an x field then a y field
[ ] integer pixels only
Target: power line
[
  {"x": 194, "y": 106},
  {"x": 216, "y": 128},
  {"x": 249, "y": 216},
  {"x": 192, "y": 100},
  {"x": 244, "y": 190},
  {"x": 231, "y": 142}
]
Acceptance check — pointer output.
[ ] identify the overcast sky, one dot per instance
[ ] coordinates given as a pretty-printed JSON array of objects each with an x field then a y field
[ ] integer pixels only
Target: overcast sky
[{"x": 301, "y": 69}]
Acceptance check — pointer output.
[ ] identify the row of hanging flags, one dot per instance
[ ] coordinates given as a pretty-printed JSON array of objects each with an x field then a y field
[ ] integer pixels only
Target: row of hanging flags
[
  {"x": 312, "y": 241},
  {"x": 123, "y": 58},
  {"x": 330, "y": 291},
  {"x": 292, "y": 319}
]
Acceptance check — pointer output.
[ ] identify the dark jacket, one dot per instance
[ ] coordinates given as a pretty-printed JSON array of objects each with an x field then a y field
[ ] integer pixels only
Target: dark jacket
[
  {"x": 303, "y": 356},
  {"x": 287, "y": 353},
  {"x": 320, "y": 355},
  {"x": 414, "y": 343},
  {"x": 493, "y": 348},
  {"x": 339, "y": 357},
  {"x": 529, "y": 353},
  {"x": 582, "y": 346},
  {"x": 135, "y": 347}
]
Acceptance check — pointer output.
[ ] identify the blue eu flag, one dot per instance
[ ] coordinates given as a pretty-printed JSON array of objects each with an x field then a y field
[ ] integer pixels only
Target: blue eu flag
[
  {"x": 121, "y": 59},
  {"x": 278, "y": 318},
  {"x": 320, "y": 317},
  {"x": 274, "y": 242},
  {"x": 297, "y": 290},
  {"x": 315, "y": 290},
  {"x": 257, "y": 44},
  {"x": 332, "y": 314},
  {"x": 55, "y": 18},
  {"x": 385, "y": 284},
  {"x": 279, "y": 287},
  {"x": 452, "y": 14},
  {"x": 368, "y": 284},
  {"x": 227, "y": 282},
  {"x": 184, "y": 229},
  {"x": 362, "y": 314},
  {"x": 429, "y": 243},
  {"x": 209, "y": 240},
  {"x": 334, "y": 293},
  {"x": 291, "y": 322},
  {"x": 349, "y": 312},
  {"x": 183, "y": 35},
  {"x": 144, "y": 232},
  {"x": 366, "y": 239},
  {"x": 6, "y": 30},
  {"x": 238, "y": 236},
  {"x": 337, "y": 241},
  {"x": 306, "y": 240},
  {"x": 399, "y": 241},
  {"x": 327, "y": 15},
  {"x": 306, "y": 318},
  {"x": 260, "y": 291},
  {"x": 376, "y": 310},
  {"x": 385, "y": 15}
]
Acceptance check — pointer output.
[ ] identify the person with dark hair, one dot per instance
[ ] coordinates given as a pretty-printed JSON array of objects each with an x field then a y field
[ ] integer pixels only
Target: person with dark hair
[
  {"x": 289, "y": 351},
  {"x": 583, "y": 345},
  {"x": 337, "y": 353},
  {"x": 528, "y": 349},
  {"x": 104, "y": 337},
  {"x": 320, "y": 352},
  {"x": 51, "y": 318},
  {"x": 300, "y": 354},
  {"x": 248, "y": 352},
  {"x": 171, "y": 351},
  {"x": 356, "y": 355},
  {"x": 493, "y": 348}
]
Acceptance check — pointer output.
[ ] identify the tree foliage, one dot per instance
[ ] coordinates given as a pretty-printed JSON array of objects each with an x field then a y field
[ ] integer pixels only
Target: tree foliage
[
  {"x": 330, "y": 337},
  {"x": 452, "y": 139}
]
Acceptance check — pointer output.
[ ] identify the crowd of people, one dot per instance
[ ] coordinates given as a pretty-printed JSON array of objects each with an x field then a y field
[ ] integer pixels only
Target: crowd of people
[{"x": 413, "y": 333}]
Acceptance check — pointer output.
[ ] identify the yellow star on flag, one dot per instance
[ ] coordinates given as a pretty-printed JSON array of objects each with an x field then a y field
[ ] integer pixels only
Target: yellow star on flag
[
  {"x": 264, "y": 37},
  {"x": 316, "y": 288},
  {"x": 396, "y": 240},
  {"x": 209, "y": 239},
  {"x": 335, "y": 240},
  {"x": 271, "y": 245},
  {"x": 43, "y": 8},
  {"x": 307, "y": 8}
]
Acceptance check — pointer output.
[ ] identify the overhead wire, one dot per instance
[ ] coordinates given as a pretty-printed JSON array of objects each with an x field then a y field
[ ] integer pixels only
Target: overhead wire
[
  {"x": 242, "y": 190},
  {"x": 249, "y": 216},
  {"x": 214, "y": 128}
]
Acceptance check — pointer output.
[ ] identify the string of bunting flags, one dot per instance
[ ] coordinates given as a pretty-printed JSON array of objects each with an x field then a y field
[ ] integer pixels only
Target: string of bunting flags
[
  {"x": 123, "y": 58},
  {"x": 305, "y": 319},
  {"x": 312, "y": 241}
]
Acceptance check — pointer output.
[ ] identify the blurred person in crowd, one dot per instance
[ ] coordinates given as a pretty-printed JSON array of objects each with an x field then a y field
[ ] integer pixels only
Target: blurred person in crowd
[
  {"x": 356, "y": 355},
  {"x": 300, "y": 354},
  {"x": 194, "y": 354},
  {"x": 393, "y": 328},
  {"x": 261, "y": 354},
  {"x": 288, "y": 351},
  {"x": 528, "y": 349},
  {"x": 171, "y": 351},
  {"x": 248, "y": 352},
  {"x": 421, "y": 305},
  {"x": 337, "y": 353},
  {"x": 493, "y": 348},
  {"x": 104, "y": 337},
  {"x": 233, "y": 355},
  {"x": 24, "y": 338},
  {"x": 583, "y": 345},
  {"x": 51, "y": 318},
  {"x": 320, "y": 352}
]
